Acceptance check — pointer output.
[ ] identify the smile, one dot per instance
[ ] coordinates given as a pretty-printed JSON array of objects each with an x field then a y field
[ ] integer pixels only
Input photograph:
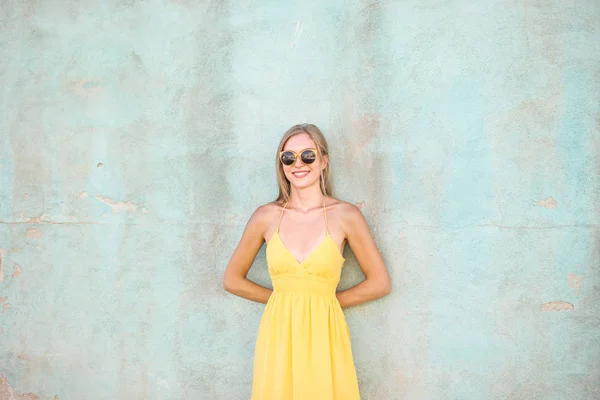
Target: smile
[{"x": 300, "y": 174}]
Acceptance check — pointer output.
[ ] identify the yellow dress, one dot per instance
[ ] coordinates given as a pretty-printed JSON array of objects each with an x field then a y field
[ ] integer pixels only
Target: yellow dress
[{"x": 303, "y": 347}]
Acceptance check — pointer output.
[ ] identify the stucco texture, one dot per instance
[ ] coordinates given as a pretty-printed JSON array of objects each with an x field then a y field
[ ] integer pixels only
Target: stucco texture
[{"x": 137, "y": 137}]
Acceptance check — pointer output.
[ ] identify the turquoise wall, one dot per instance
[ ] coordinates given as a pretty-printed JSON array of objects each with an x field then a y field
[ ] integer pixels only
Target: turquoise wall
[{"x": 137, "y": 137}]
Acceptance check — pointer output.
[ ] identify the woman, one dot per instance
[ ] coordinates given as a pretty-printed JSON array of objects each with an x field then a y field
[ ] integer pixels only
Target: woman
[{"x": 303, "y": 347}]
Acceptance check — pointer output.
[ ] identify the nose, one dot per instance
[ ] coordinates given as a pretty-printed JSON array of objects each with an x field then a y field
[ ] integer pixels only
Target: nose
[{"x": 298, "y": 163}]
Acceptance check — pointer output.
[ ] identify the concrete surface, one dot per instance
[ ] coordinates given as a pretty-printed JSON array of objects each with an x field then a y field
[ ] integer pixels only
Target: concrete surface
[{"x": 136, "y": 137}]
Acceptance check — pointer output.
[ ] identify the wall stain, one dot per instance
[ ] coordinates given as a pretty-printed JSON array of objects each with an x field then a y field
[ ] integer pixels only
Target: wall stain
[
  {"x": 16, "y": 271},
  {"x": 1, "y": 265},
  {"x": 575, "y": 281},
  {"x": 27, "y": 396},
  {"x": 118, "y": 206},
  {"x": 548, "y": 202},
  {"x": 368, "y": 128},
  {"x": 557, "y": 306},
  {"x": 4, "y": 303},
  {"x": 33, "y": 233},
  {"x": 86, "y": 88}
]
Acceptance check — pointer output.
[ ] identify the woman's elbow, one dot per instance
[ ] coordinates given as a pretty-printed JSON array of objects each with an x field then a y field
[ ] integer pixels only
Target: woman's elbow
[
  {"x": 385, "y": 287},
  {"x": 229, "y": 283}
]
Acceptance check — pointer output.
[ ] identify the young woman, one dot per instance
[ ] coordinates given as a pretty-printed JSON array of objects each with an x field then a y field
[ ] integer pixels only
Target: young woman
[{"x": 303, "y": 347}]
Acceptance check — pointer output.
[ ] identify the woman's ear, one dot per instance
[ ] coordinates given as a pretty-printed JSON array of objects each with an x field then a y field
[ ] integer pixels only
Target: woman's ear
[{"x": 325, "y": 161}]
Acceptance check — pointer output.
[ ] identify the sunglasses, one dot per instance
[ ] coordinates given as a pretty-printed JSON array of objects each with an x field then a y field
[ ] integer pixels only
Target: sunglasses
[{"x": 288, "y": 157}]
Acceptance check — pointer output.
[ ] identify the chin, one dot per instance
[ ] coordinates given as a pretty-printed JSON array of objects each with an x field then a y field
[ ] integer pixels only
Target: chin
[{"x": 302, "y": 185}]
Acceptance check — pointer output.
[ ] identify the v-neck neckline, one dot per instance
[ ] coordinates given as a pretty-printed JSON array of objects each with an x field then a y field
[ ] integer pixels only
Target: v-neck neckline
[
  {"x": 311, "y": 253},
  {"x": 318, "y": 245}
]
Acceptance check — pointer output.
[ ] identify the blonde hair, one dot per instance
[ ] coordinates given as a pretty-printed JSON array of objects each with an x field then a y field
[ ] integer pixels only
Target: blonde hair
[{"x": 321, "y": 144}]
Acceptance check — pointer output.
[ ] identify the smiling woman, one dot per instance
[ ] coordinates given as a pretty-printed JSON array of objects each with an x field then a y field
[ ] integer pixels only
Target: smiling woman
[{"x": 303, "y": 348}]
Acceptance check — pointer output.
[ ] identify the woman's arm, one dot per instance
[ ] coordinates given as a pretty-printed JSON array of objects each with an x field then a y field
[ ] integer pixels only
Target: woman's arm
[
  {"x": 234, "y": 278},
  {"x": 377, "y": 283}
]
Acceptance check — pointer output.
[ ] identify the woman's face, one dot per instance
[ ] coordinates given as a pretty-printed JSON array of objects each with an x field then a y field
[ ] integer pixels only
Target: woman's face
[{"x": 299, "y": 174}]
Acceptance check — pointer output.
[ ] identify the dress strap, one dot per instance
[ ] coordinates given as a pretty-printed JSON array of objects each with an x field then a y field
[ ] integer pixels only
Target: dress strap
[
  {"x": 281, "y": 216},
  {"x": 325, "y": 212}
]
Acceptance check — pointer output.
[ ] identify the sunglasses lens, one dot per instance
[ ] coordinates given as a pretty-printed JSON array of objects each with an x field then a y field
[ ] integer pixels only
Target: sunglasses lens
[
  {"x": 308, "y": 156},
  {"x": 288, "y": 158}
]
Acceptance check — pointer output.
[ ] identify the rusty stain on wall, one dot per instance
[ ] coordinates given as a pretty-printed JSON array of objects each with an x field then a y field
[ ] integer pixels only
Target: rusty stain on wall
[
  {"x": 575, "y": 281},
  {"x": 118, "y": 206},
  {"x": 557, "y": 306},
  {"x": 16, "y": 271},
  {"x": 1, "y": 265},
  {"x": 33, "y": 233},
  {"x": 4, "y": 303},
  {"x": 27, "y": 396},
  {"x": 8, "y": 393},
  {"x": 548, "y": 202}
]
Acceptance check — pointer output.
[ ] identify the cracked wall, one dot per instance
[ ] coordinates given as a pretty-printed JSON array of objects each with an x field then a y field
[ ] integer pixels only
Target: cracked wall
[{"x": 136, "y": 138}]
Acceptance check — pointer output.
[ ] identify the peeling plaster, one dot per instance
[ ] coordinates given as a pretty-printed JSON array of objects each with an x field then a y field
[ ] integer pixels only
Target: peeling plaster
[
  {"x": 27, "y": 396},
  {"x": 4, "y": 303},
  {"x": 575, "y": 281},
  {"x": 83, "y": 195},
  {"x": 118, "y": 206},
  {"x": 33, "y": 233},
  {"x": 557, "y": 306},
  {"x": 8, "y": 393},
  {"x": 548, "y": 202},
  {"x": 16, "y": 271},
  {"x": 1, "y": 265}
]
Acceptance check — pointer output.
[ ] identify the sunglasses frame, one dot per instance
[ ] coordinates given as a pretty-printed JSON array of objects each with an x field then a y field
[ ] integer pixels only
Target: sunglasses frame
[{"x": 296, "y": 155}]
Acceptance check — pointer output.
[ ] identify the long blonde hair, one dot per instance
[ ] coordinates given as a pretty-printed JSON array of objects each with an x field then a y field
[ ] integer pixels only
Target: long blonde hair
[{"x": 317, "y": 136}]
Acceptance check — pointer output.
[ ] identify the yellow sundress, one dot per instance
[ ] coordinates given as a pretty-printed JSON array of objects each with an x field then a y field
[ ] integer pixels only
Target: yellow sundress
[{"x": 303, "y": 349}]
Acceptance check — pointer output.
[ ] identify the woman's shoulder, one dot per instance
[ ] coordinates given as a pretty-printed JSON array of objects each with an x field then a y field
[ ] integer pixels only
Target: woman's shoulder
[
  {"x": 265, "y": 211},
  {"x": 348, "y": 212},
  {"x": 263, "y": 215},
  {"x": 342, "y": 205}
]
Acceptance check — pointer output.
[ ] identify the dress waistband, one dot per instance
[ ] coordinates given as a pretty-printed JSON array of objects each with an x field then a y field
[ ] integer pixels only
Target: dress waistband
[{"x": 303, "y": 284}]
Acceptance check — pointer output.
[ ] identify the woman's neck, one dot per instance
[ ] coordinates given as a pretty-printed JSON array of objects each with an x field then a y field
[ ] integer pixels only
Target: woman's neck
[{"x": 306, "y": 199}]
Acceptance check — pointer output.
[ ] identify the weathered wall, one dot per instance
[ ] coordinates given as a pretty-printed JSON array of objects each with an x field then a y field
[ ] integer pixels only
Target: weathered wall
[{"x": 138, "y": 136}]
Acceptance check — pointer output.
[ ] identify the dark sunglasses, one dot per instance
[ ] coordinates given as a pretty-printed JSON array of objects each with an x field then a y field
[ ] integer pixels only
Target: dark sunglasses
[{"x": 288, "y": 157}]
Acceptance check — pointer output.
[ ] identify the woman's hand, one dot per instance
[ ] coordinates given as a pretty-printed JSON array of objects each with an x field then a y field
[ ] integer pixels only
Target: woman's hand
[
  {"x": 377, "y": 283},
  {"x": 234, "y": 278}
]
